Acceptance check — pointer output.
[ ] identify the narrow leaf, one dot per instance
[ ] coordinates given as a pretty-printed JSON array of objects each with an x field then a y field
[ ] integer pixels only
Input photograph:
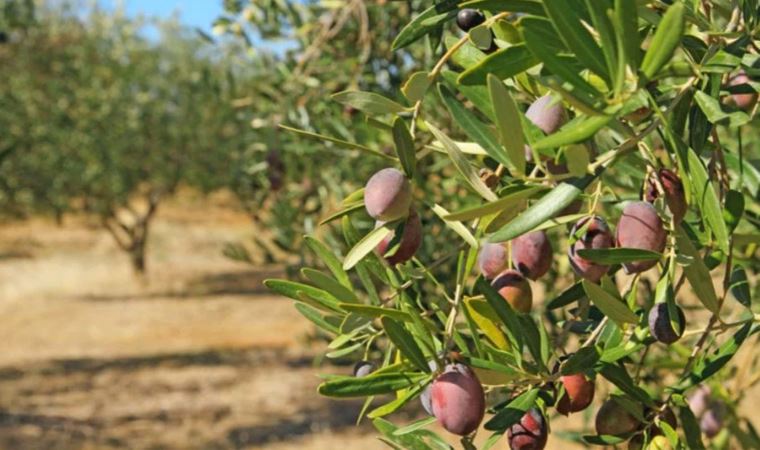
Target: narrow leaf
[
  {"x": 665, "y": 40},
  {"x": 508, "y": 123},
  {"x": 404, "y": 146},
  {"x": 610, "y": 306},
  {"x": 373, "y": 384},
  {"x": 366, "y": 245},
  {"x": 405, "y": 342},
  {"x": 462, "y": 164},
  {"x": 369, "y": 102}
]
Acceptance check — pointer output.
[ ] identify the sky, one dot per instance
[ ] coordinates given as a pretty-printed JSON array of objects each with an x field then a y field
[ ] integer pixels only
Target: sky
[{"x": 194, "y": 13}]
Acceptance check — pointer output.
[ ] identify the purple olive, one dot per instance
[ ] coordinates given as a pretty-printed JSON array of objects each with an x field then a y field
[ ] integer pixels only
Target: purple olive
[
  {"x": 532, "y": 254},
  {"x": 597, "y": 236},
  {"x": 530, "y": 433},
  {"x": 640, "y": 227},
  {"x": 742, "y": 101},
  {"x": 458, "y": 400},
  {"x": 515, "y": 289},
  {"x": 492, "y": 260},
  {"x": 675, "y": 197},
  {"x": 411, "y": 239},
  {"x": 613, "y": 419},
  {"x": 660, "y": 326},
  {"x": 578, "y": 395},
  {"x": 388, "y": 195},
  {"x": 468, "y": 19},
  {"x": 546, "y": 113}
]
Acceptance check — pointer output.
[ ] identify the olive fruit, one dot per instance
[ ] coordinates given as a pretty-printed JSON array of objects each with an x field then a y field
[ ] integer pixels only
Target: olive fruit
[
  {"x": 492, "y": 260},
  {"x": 515, "y": 289},
  {"x": 675, "y": 197},
  {"x": 640, "y": 227},
  {"x": 458, "y": 400},
  {"x": 578, "y": 395},
  {"x": 532, "y": 254},
  {"x": 660, "y": 326},
  {"x": 411, "y": 239},
  {"x": 613, "y": 419},
  {"x": 596, "y": 236},
  {"x": 530, "y": 433},
  {"x": 468, "y": 19},
  {"x": 388, "y": 195}
]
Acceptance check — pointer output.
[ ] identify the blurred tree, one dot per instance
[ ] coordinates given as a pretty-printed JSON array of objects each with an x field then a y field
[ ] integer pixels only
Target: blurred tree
[{"x": 101, "y": 119}]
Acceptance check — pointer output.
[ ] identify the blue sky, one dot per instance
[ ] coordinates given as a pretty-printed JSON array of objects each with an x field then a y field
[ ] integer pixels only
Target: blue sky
[{"x": 194, "y": 13}]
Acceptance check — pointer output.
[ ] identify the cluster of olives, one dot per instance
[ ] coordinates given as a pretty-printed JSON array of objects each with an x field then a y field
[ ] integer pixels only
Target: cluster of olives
[{"x": 456, "y": 397}]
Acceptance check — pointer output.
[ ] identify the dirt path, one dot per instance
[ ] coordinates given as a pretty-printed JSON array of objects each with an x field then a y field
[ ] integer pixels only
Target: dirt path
[{"x": 200, "y": 358}]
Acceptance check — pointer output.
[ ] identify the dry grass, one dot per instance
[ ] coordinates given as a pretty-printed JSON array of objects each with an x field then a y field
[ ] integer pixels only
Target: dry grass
[{"x": 200, "y": 357}]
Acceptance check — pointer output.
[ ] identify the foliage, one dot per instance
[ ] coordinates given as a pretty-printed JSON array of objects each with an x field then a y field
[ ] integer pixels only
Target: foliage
[
  {"x": 100, "y": 119},
  {"x": 646, "y": 86}
]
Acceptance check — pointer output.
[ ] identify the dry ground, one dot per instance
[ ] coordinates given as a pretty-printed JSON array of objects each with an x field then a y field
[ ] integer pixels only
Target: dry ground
[{"x": 199, "y": 358}]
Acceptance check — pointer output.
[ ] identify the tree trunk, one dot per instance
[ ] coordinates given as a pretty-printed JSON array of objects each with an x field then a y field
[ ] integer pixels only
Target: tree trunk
[{"x": 137, "y": 258}]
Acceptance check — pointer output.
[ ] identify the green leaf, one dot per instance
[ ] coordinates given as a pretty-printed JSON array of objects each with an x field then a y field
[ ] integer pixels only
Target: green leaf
[
  {"x": 414, "y": 426},
  {"x": 569, "y": 295},
  {"x": 456, "y": 226},
  {"x": 366, "y": 245},
  {"x": 620, "y": 378},
  {"x": 577, "y": 130},
  {"x": 375, "y": 312},
  {"x": 706, "y": 199},
  {"x": 581, "y": 361},
  {"x": 715, "y": 114},
  {"x": 369, "y": 102},
  {"x": 481, "y": 37},
  {"x": 541, "y": 39},
  {"x": 697, "y": 272},
  {"x": 619, "y": 255},
  {"x": 734, "y": 209},
  {"x": 477, "y": 94},
  {"x": 691, "y": 429},
  {"x": 665, "y": 40},
  {"x": 627, "y": 31},
  {"x": 473, "y": 127},
  {"x": 710, "y": 365},
  {"x": 517, "y": 6},
  {"x": 329, "y": 284},
  {"x": 424, "y": 23},
  {"x": 508, "y": 123},
  {"x": 504, "y": 311},
  {"x": 544, "y": 209},
  {"x": 466, "y": 56},
  {"x": 373, "y": 384},
  {"x": 313, "y": 315},
  {"x": 739, "y": 286},
  {"x": 462, "y": 164},
  {"x": 405, "y": 442},
  {"x": 485, "y": 318},
  {"x": 567, "y": 22},
  {"x": 610, "y": 306},
  {"x": 405, "y": 342},
  {"x": 503, "y": 63},
  {"x": 340, "y": 142},
  {"x": 515, "y": 194},
  {"x": 513, "y": 412},
  {"x": 348, "y": 209},
  {"x": 404, "y": 146},
  {"x": 397, "y": 403},
  {"x": 330, "y": 259},
  {"x": 600, "y": 18},
  {"x": 416, "y": 85},
  {"x": 297, "y": 291}
]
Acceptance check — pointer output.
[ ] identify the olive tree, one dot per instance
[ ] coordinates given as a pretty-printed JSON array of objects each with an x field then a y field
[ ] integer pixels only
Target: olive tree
[
  {"x": 100, "y": 119},
  {"x": 592, "y": 179}
]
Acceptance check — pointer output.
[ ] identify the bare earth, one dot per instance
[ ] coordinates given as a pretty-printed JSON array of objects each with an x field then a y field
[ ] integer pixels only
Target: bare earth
[{"x": 200, "y": 357}]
